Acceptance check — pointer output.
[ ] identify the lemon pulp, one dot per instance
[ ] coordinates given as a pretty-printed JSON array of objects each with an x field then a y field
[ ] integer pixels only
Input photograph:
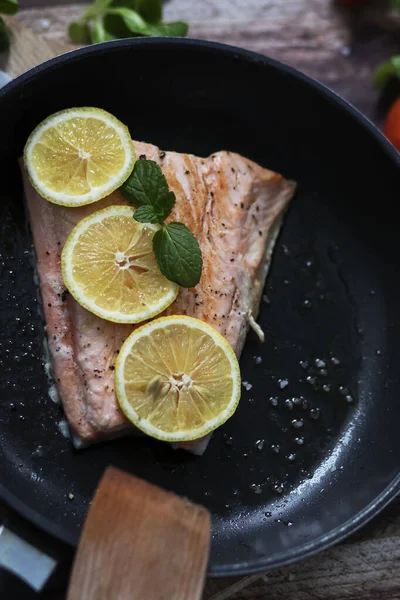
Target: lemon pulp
[
  {"x": 78, "y": 156},
  {"x": 108, "y": 265},
  {"x": 177, "y": 379}
]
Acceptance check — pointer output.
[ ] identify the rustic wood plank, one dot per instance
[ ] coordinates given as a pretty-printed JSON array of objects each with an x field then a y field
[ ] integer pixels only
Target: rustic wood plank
[
  {"x": 366, "y": 571},
  {"x": 311, "y": 35},
  {"x": 364, "y": 567},
  {"x": 309, "y": 20},
  {"x": 224, "y": 589},
  {"x": 26, "y": 52}
]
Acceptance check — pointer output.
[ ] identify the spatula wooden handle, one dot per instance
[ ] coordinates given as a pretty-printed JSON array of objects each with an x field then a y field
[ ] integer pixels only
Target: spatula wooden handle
[{"x": 140, "y": 543}]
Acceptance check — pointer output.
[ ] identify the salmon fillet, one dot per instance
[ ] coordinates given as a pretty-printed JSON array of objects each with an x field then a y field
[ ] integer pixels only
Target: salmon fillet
[{"x": 234, "y": 208}]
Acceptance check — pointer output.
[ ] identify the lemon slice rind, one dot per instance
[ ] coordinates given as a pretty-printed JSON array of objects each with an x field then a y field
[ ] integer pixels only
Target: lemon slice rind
[
  {"x": 143, "y": 424},
  {"x": 96, "y": 193},
  {"x": 67, "y": 264}
]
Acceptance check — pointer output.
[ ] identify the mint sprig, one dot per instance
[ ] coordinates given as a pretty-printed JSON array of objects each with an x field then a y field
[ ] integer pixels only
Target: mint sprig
[
  {"x": 111, "y": 19},
  {"x": 176, "y": 249}
]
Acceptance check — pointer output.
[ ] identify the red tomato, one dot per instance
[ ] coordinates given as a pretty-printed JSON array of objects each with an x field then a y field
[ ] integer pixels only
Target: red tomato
[{"x": 391, "y": 127}]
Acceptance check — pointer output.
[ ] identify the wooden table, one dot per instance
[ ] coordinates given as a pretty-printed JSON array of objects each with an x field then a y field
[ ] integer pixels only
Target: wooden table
[{"x": 341, "y": 50}]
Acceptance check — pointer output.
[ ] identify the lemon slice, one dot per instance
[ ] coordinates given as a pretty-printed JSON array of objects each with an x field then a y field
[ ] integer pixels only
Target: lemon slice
[
  {"x": 109, "y": 267},
  {"x": 78, "y": 156},
  {"x": 177, "y": 379}
]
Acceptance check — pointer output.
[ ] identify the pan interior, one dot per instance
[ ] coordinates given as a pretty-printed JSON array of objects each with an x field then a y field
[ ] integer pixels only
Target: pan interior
[{"x": 315, "y": 439}]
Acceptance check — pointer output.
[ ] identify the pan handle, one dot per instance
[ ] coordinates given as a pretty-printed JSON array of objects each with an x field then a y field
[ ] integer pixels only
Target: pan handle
[
  {"x": 27, "y": 553},
  {"x": 4, "y": 78},
  {"x": 24, "y": 560}
]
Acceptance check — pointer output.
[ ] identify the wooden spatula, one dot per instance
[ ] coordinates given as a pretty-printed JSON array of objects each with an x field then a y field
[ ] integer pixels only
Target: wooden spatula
[{"x": 140, "y": 542}]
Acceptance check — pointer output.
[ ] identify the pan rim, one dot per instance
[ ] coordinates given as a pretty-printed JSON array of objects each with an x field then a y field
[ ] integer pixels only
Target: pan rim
[
  {"x": 245, "y": 568},
  {"x": 383, "y": 499}
]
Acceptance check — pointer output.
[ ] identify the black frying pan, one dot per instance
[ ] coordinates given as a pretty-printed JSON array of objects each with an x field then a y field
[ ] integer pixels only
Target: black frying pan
[{"x": 333, "y": 295}]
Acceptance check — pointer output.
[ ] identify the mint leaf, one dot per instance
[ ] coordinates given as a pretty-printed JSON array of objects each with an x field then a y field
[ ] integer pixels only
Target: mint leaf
[
  {"x": 147, "y": 186},
  {"x": 99, "y": 33},
  {"x": 165, "y": 204},
  {"x": 131, "y": 18},
  {"x": 133, "y": 4},
  {"x": 395, "y": 4},
  {"x": 96, "y": 9},
  {"x": 102, "y": 4},
  {"x": 136, "y": 24},
  {"x": 150, "y": 10},
  {"x": 146, "y": 214},
  {"x": 8, "y": 7},
  {"x": 143, "y": 184},
  {"x": 4, "y": 36},
  {"x": 115, "y": 25},
  {"x": 178, "y": 254},
  {"x": 387, "y": 71},
  {"x": 178, "y": 29},
  {"x": 79, "y": 32},
  {"x": 176, "y": 250},
  {"x": 121, "y": 19}
]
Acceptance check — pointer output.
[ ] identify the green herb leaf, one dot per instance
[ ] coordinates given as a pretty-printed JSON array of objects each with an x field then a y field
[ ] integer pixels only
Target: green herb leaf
[
  {"x": 96, "y": 9},
  {"x": 133, "y": 4},
  {"x": 102, "y": 4},
  {"x": 164, "y": 205},
  {"x": 9, "y": 7},
  {"x": 115, "y": 25},
  {"x": 99, "y": 32},
  {"x": 178, "y": 29},
  {"x": 395, "y": 4},
  {"x": 178, "y": 254},
  {"x": 124, "y": 18},
  {"x": 131, "y": 18},
  {"x": 136, "y": 24},
  {"x": 175, "y": 247},
  {"x": 387, "y": 71},
  {"x": 147, "y": 186},
  {"x": 146, "y": 214},
  {"x": 79, "y": 32},
  {"x": 4, "y": 36},
  {"x": 150, "y": 10}
]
